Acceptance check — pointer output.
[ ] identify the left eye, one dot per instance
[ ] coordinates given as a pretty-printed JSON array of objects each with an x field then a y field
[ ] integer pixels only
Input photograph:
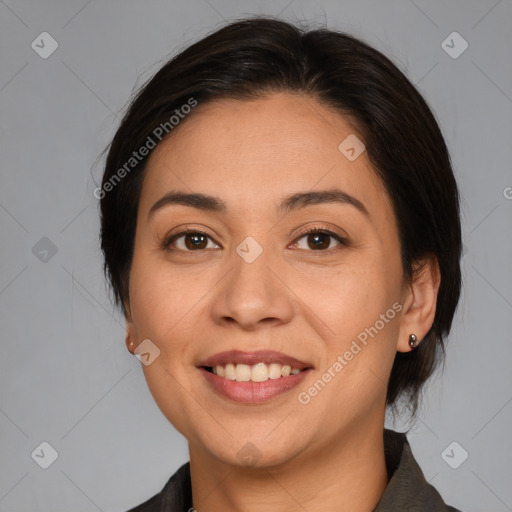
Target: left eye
[{"x": 320, "y": 239}]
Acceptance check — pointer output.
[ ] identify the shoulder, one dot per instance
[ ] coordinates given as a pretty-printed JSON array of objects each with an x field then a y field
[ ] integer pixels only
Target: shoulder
[
  {"x": 407, "y": 488},
  {"x": 176, "y": 494},
  {"x": 154, "y": 504}
]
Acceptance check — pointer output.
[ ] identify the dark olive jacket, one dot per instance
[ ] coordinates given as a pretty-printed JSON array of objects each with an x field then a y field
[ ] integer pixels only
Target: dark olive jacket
[{"x": 407, "y": 489}]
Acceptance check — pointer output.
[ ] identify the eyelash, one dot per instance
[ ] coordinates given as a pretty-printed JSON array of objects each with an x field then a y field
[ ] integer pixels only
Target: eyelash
[{"x": 166, "y": 245}]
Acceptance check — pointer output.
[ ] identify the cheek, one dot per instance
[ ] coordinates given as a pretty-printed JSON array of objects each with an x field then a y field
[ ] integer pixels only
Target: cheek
[
  {"x": 358, "y": 359},
  {"x": 354, "y": 297},
  {"x": 159, "y": 295},
  {"x": 360, "y": 305},
  {"x": 168, "y": 305},
  {"x": 163, "y": 309}
]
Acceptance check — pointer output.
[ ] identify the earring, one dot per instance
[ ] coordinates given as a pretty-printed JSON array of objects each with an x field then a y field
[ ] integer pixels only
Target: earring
[{"x": 413, "y": 341}]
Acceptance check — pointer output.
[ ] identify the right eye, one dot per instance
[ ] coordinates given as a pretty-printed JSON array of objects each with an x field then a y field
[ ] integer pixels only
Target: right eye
[{"x": 193, "y": 240}]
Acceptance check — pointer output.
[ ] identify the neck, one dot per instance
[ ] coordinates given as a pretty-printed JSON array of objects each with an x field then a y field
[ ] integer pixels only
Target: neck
[{"x": 348, "y": 475}]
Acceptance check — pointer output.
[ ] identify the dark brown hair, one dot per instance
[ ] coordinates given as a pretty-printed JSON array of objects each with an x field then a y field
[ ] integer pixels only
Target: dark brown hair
[{"x": 257, "y": 56}]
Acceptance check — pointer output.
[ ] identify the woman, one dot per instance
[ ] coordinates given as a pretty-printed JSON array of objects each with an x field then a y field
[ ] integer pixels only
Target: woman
[{"x": 280, "y": 225}]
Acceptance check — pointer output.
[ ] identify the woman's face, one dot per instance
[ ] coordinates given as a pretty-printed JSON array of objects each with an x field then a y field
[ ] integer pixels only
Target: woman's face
[{"x": 255, "y": 281}]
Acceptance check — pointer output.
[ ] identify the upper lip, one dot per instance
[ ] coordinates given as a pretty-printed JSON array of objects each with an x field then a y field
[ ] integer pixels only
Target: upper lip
[{"x": 251, "y": 358}]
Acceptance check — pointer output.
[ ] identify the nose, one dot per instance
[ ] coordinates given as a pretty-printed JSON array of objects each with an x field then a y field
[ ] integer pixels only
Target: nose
[{"x": 253, "y": 294}]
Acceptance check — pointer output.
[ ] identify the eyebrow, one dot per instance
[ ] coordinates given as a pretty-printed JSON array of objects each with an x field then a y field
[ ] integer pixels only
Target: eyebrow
[{"x": 290, "y": 203}]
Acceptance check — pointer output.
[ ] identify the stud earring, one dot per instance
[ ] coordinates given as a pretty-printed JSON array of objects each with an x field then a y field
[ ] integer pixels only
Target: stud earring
[{"x": 413, "y": 341}]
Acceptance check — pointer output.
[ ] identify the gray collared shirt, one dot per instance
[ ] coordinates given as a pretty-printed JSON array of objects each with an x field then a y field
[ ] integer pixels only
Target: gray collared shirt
[{"x": 407, "y": 489}]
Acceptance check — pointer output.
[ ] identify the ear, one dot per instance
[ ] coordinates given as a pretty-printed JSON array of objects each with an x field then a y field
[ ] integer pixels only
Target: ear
[
  {"x": 420, "y": 302},
  {"x": 131, "y": 338}
]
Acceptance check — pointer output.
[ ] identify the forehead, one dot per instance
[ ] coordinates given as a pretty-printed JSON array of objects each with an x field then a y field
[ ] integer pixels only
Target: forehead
[{"x": 258, "y": 151}]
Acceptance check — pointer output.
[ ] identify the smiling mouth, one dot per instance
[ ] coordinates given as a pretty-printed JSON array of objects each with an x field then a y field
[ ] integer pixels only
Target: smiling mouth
[{"x": 259, "y": 372}]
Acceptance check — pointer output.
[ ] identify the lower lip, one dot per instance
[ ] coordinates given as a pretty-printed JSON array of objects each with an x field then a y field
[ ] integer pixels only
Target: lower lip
[{"x": 253, "y": 392}]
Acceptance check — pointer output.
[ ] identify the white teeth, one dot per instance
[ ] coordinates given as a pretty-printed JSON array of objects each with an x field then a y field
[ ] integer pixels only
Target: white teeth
[
  {"x": 229, "y": 372},
  {"x": 274, "y": 370},
  {"x": 243, "y": 373},
  {"x": 259, "y": 372}
]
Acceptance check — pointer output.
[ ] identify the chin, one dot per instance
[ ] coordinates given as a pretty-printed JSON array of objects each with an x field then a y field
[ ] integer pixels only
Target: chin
[{"x": 256, "y": 454}]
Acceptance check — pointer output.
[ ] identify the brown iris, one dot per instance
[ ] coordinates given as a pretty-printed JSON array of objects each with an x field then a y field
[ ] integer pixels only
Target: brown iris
[
  {"x": 196, "y": 241},
  {"x": 320, "y": 241}
]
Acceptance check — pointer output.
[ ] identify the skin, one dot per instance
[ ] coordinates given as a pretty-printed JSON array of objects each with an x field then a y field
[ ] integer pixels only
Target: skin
[{"x": 328, "y": 454}]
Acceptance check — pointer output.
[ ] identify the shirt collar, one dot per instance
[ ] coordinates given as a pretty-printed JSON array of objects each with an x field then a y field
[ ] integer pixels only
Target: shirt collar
[{"x": 407, "y": 488}]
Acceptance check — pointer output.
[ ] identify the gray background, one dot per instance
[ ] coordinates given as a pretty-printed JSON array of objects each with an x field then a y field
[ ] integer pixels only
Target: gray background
[{"x": 65, "y": 375}]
